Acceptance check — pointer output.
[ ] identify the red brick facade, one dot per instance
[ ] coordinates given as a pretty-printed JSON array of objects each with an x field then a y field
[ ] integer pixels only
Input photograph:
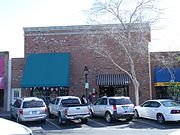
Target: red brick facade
[
  {"x": 4, "y": 92},
  {"x": 71, "y": 39}
]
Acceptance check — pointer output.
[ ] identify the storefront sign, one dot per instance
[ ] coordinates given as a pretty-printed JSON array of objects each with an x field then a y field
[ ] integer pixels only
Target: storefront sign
[
  {"x": 167, "y": 84},
  {"x": 87, "y": 85}
]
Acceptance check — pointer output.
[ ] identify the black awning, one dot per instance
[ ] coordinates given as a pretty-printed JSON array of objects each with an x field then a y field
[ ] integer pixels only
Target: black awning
[{"x": 113, "y": 79}]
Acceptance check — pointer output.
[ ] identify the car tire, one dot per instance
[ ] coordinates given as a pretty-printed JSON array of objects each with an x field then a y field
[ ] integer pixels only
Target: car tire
[
  {"x": 160, "y": 118},
  {"x": 108, "y": 117},
  {"x": 136, "y": 114},
  {"x": 92, "y": 115},
  {"x": 84, "y": 121},
  {"x": 49, "y": 114},
  {"x": 12, "y": 118},
  {"x": 17, "y": 119},
  {"x": 60, "y": 120}
]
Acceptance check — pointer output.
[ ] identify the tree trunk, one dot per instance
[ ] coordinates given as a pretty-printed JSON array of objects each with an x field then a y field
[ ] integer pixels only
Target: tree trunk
[{"x": 137, "y": 92}]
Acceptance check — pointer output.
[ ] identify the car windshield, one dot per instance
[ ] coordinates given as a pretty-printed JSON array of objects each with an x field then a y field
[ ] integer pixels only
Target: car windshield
[
  {"x": 169, "y": 103},
  {"x": 70, "y": 101},
  {"x": 33, "y": 104},
  {"x": 121, "y": 101}
]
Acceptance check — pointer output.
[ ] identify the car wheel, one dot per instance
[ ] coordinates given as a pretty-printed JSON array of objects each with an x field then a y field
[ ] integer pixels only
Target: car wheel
[
  {"x": 160, "y": 118},
  {"x": 136, "y": 114},
  {"x": 92, "y": 115},
  {"x": 17, "y": 119},
  {"x": 108, "y": 117},
  {"x": 60, "y": 120},
  {"x": 84, "y": 121},
  {"x": 49, "y": 114},
  {"x": 12, "y": 116}
]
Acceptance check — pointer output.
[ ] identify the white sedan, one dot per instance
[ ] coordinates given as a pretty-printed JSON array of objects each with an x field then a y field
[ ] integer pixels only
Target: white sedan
[
  {"x": 12, "y": 128},
  {"x": 160, "y": 109}
]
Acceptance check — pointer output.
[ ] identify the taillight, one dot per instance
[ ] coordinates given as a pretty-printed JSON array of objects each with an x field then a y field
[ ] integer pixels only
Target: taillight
[
  {"x": 175, "y": 111},
  {"x": 65, "y": 111},
  {"x": 21, "y": 111},
  {"x": 46, "y": 110},
  {"x": 114, "y": 108}
]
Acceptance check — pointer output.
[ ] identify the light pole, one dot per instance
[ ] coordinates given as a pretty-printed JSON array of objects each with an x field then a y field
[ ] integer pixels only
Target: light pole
[{"x": 86, "y": 71}]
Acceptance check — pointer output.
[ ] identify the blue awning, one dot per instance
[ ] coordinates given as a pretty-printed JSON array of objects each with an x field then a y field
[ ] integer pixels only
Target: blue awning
[
  {"x": 162, "y": 75},
  {"x": 47, "y": 70}
]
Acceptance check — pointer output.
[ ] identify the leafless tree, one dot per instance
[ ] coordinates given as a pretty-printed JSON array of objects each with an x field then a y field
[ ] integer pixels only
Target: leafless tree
[{"x": 129, "y": 29}]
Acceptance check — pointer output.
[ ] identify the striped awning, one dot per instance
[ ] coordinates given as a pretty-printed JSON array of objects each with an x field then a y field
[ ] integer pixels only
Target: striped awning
[{"x": 113, "y": 79}]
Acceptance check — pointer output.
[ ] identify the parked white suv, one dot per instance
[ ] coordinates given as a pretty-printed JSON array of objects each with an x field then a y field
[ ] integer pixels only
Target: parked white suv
[
  {"x": 113, "y": 108},
  {"x": 29, "y": 109}
]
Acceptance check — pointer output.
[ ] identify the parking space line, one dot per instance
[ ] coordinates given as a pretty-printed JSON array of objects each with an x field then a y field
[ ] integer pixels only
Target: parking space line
[
  {"x": 53, "y": 124},
  {"x": 151, "y": 124},
  {"x": 104, "y": 125}
]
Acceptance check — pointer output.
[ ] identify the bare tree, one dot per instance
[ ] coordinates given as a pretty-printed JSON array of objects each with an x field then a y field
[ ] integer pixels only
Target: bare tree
[{"x": 130, "y": 32}]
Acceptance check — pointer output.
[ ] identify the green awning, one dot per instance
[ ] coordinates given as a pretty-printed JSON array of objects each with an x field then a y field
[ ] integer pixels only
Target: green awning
[{"x": 47, "y": 70}]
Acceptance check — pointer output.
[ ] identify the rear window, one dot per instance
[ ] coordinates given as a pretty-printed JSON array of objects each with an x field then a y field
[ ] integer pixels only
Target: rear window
[
  {"x": 122, "y": 101},
  {"x": 170, "y": 103},
  {"x": 33, "y": 104},
  {"x": 70, "y": 101}
]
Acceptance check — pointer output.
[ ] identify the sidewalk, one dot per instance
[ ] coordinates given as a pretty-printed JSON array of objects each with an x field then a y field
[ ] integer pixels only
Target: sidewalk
[{"x": 5, "y": 114}]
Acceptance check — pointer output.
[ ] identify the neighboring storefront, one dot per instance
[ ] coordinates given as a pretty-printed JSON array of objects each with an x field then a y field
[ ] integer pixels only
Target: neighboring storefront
[
  {"x": 163, "y": 79},
  {"x": 4, "y": 60},
  {"x": 165, "y": 75},
  {"x": 45, "y": 76}
]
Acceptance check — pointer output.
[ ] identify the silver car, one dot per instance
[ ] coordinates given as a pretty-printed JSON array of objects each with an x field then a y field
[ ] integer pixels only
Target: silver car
[
  {"x": 29, "y": 109},
  {"x": 113, "y": 108}
]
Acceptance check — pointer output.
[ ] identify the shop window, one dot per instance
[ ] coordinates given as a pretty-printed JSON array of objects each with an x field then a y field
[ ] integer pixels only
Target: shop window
[
  {"x": 16, "y": 94},
  {"x": 122, "y": 91}
]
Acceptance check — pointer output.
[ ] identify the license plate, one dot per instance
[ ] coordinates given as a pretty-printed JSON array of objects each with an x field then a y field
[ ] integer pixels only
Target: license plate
[
  {"x": 33, "y": 112},
  {"x": 125, "y": 107}
]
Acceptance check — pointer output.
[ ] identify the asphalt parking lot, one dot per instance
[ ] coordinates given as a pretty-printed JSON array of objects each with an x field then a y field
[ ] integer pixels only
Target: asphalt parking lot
[{"x": 52, "y": 125}]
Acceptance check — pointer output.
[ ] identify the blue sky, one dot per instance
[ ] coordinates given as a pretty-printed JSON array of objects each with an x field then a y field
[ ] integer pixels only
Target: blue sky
[{"x": 16, "y": 14}]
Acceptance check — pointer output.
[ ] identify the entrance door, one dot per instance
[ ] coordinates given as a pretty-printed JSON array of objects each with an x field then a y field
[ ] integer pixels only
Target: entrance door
[
  {"x": 15, "y": 94},
  {"x": 106, "y": 91}
]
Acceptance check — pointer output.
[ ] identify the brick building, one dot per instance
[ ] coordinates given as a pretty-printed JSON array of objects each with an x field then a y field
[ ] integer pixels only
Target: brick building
[
  {"x": 45, "y": 48},
  {"x": 4, "y": 91}
]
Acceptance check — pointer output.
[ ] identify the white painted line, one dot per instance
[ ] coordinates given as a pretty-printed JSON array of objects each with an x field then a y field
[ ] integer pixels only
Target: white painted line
[
  {"x": 104, "y": 125},
  {"x": 53, "y": 124},
  {"x": 151, "y": 124}
]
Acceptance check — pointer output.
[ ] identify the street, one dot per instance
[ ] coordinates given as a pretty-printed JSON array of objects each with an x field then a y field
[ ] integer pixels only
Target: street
[{"x": 99, "y": 126}]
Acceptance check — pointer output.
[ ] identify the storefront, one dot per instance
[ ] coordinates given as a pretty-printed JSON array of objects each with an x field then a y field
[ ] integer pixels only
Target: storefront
[
  {"x": 113, "y": 84},
  {"x": 164, "y": 79},
  {"x": 1, "y": 84},
  {"x": 47, "y": 75}
]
